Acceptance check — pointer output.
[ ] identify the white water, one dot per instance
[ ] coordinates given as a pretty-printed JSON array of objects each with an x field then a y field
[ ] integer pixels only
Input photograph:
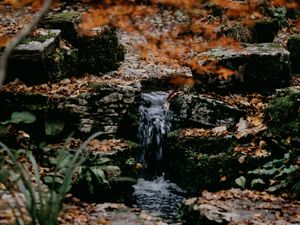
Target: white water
[
  {"x": 159, "y": 197},
  {"x": 155, "y": 194},
  {"x": 153, "y": 128}
]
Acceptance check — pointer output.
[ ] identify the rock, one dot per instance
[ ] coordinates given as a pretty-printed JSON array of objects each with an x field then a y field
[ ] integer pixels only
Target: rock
[
  {"x": 261, "y": 31},
  {"x": 293, "y": 46},
  {"x": 80, "y": 112},
  {"x": 257, "y": 67},
  {"x": 282, "y": 117},
  {"x": 264, "y": 30},
  {"x": 29, "y": 60},
  {"x": 198, "y": 159},
  {"x": 67, "y": 22},
  {"x": 232, "y": 207},
  {"x": 62, "y": 63},
  {"x": 190, "y": 110},
  {"x": 100, "y": 53}
]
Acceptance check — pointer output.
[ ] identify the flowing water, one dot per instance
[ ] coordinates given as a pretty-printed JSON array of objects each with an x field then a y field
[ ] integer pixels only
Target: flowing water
[{"x": 152, "y": 192}]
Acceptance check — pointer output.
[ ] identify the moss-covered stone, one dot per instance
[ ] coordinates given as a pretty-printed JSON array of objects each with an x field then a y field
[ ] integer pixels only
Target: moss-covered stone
[
  {"x": 38, "y": 38},
  {"x": 67, "y": 22},
  {"x": 282, "y": 116},
  {"x": 62, "y": 63},
  {"x": 258, "y": 67},
  {"x": 264, "y": 30},
  {"x": 293, "y": 46},
  {"x": 101, "y": 53},
  {"x": 197, "y": 163},
  {"x": 192, "y": 110},
  {"x": 28, "y": 61}
]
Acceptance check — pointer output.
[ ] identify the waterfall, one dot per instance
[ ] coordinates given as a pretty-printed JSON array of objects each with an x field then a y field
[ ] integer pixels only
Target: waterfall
[
  {"x": 153, "y": 129},
  {"x": 152, "y": 192}
]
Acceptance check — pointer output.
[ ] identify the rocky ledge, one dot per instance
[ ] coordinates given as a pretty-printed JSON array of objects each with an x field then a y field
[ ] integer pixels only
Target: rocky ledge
[{"x": 235, "y": 206}]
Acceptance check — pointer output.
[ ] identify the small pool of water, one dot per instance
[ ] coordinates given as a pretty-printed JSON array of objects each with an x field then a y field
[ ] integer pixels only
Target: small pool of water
[{"x": 159, "y": 197}]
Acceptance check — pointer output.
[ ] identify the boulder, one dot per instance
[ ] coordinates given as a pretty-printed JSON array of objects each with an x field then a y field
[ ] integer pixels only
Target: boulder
[
  {"x": 261, "y": 31},
  {"x": 100, "y": 53},
  {"x": 235, "y": 206},
  {"x": 196, "y": 110},
  {"x": 257, "y": 67},
  {"x": 28, "y": 61},
  {"x": 293, "y": 46},
  {"x": 198, "y": 159},
  {"x": 67, "y": 22}
]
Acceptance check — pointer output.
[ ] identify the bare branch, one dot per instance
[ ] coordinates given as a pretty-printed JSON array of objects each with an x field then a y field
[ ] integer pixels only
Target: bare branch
[{"x": 25, "y": 31}]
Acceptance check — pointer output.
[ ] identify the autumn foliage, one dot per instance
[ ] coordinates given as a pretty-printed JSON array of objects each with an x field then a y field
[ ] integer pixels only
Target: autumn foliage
[{"x": 182, "y": 44}]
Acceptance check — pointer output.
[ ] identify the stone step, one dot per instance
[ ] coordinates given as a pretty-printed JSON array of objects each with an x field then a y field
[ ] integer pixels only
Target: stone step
[
  {"x": 257, "y": 67},
  {"x": 37, "y": 46}
]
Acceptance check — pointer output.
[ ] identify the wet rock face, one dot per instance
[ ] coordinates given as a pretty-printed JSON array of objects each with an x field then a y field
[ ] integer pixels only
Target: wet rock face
[
  {"x": 232, "y": 207},
  {"x": 293, "y": 46},
  {"x": 257, "y": 67},
  {"x": 190, "y": 110}
]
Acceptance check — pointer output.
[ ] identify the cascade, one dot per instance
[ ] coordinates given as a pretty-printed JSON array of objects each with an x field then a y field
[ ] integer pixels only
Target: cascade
[
  {"x": 152, "y": 192},
  {"x": 153, "y": 129}
]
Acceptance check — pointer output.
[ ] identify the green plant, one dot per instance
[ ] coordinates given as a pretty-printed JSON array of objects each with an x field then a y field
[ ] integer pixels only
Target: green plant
[
  {"x": 275, "y": 176},
  {"x": 97, "y": 173},
  {"x": 43, "y": 204}
]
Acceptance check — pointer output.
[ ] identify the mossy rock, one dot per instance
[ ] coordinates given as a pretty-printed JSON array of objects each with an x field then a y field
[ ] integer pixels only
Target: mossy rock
[
  {"x": 101, "y": 53},
  {"x": 293, "y": 46},
  {"x": 67, "y": 22},
  {"x": 258, "y": 67},
  {"x": 264, "y": 30},
  {"x": 62, "y": 63},
  {"x": 200, "y": 163},
  {"x": 282, "y": 116}
]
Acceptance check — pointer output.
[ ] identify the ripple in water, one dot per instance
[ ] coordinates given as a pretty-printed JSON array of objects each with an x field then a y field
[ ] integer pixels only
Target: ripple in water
[{"x": 159, "y": 197}]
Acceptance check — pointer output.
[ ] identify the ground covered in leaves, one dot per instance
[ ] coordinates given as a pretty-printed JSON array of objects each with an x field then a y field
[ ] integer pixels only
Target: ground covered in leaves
[{"x": 147, "y": 57}]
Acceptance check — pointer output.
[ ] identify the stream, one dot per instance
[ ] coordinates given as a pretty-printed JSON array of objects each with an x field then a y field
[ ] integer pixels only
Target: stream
[{"x": 153, "y": 193}]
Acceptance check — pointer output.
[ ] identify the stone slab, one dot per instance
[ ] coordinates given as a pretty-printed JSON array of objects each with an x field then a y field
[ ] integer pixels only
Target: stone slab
[{"x": 256, "y": 67}]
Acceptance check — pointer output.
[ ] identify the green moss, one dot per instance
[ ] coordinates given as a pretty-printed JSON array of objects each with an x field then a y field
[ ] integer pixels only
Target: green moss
[
  {"x": 62, "y": 63},
  {"x": 64, "y": 16},
  {"x": 293, "y": 46},
  {"x": 39, "y": 38},
  {"x": 282, "y": 115},
  {"x": 101, "y": 53},
  {"x": 66, "y": 22},
  {"x": 199, "y": 163},
  {"x": 97, "y": 86}
]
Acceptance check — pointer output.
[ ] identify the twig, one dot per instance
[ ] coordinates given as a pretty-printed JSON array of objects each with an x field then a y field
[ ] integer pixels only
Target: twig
[{"x": 13, "y": 44}]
